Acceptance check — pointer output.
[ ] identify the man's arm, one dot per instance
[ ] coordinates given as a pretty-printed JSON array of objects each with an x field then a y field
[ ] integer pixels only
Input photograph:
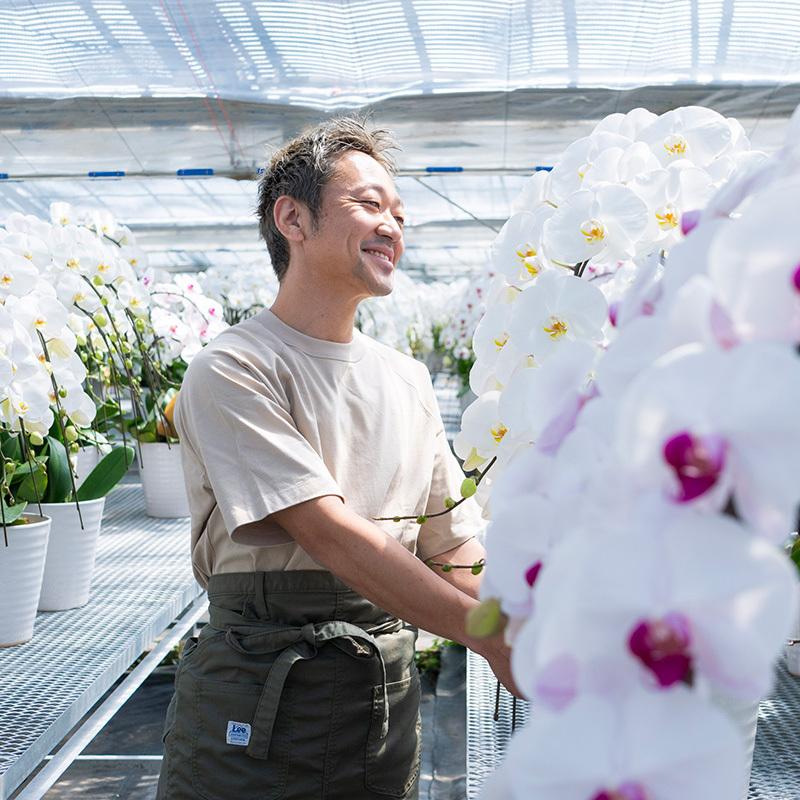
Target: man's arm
[
  {"x": 466, "y": 553},
  {"x": 376, "y": 566}
]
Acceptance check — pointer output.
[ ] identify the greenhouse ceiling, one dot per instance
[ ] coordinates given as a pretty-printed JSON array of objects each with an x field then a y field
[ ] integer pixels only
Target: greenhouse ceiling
[{"x": 145, "y": 89}]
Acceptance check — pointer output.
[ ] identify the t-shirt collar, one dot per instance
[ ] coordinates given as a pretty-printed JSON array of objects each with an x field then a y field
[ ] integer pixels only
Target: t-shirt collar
[{"x": 321, "y": 348}]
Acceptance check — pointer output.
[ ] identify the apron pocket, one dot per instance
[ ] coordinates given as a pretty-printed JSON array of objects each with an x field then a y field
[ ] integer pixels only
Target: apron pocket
[
  {"x": 393, "y": 762},
  {"x": 223, "y": 720}
]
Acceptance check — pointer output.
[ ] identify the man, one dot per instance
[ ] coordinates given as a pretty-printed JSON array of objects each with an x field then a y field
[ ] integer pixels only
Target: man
[{"x": 297, "y": 433}]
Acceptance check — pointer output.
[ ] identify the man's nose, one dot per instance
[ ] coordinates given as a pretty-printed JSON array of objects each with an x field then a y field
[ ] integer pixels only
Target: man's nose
[{"x": 390, "y": 227}]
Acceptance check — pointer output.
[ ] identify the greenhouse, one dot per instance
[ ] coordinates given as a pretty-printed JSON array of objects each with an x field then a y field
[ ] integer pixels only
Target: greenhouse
[{"x": 397, "y": 400}]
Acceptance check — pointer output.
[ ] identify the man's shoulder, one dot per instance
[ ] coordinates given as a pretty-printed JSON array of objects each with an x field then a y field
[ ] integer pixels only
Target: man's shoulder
[
  {"x": 406, "y": 370},
  {"x": 248, "y": 345},
  {"x": 404, "y": 365}
]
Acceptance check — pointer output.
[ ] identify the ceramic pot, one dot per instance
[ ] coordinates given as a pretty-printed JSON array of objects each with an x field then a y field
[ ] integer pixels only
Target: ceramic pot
[
  {"x": 71, "y": 553},
  {"x": 161, "y": 472},
  {"x": 21, "y": 571}
]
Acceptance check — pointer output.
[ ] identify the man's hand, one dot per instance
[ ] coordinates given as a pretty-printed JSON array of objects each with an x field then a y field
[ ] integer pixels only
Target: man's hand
[{"x": 498, "y": 654}]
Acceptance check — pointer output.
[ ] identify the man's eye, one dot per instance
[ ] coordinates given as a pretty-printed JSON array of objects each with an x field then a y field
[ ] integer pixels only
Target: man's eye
[
  {"x": 400, "y": 221},
  {"x": 373, "y": 203}
]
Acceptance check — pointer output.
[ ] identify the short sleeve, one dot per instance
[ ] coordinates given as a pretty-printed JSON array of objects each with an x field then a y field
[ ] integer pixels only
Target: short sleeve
[
  {"x": 241, "y": 430},
  {"x": 440, "y": 534}
]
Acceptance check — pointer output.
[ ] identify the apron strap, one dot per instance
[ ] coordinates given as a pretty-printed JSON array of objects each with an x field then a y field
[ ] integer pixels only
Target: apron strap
[{"x": 305, "y": 645}]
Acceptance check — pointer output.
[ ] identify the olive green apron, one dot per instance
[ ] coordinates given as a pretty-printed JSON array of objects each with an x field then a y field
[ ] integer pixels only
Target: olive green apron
[{"x": 299, "y": 689}]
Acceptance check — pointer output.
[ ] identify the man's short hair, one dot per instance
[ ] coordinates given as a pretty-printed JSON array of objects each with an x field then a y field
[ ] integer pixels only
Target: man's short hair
[{"x": 302, "y": 167}]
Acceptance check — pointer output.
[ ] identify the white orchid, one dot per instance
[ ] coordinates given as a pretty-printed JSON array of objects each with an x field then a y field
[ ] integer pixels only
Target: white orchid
[
  {"x": 757, "y": 280},
  {"x": 517, "y": 252},
  {"x": 555, "y": 310},
  {"x": 18, "y": 275},
  {"x": 482, "y": 432},
  {"x": 693, "y": 426},
  {"x": 696, "y": 134},
  {"x": 602, "y": 225},
  {"x": 648, "y": 746},
  {"x": 664, "y": 618}
]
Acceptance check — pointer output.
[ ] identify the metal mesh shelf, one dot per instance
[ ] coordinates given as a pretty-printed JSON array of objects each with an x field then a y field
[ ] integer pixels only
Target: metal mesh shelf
[
  {"x": 142, "y": 582},
  {"x": 446, "y": 387},
  {"x": 776, "y": 761}
]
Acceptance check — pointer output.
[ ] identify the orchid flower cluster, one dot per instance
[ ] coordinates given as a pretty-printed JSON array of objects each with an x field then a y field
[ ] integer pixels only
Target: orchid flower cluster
[
  {"x": 644, "y": 421},
  {"x": 101, "y": 322},
  {"x": 41, "y": 288},
  {"x": 412, "y": 317},
  {"x": 609, "y": 211},
  {"x": 456, "y": 336},
  {"x": 184, "y": 319},
  {"x": 242, "y": 290}
]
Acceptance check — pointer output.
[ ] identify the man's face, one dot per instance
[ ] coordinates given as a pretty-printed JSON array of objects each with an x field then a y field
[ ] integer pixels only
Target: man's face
[{"x": 359, "y": 238}]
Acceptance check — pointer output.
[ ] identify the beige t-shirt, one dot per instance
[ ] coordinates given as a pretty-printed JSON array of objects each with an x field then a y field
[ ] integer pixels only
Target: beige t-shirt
[{"x": 269, "y": 417}]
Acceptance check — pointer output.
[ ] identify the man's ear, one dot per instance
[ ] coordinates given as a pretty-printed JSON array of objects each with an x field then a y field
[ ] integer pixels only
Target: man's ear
[{"x": 291, "y": 218}]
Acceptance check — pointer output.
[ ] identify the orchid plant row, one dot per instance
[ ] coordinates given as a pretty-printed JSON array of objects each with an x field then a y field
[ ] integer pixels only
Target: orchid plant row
[
  {"x": 82, "y": 321},
  {"x": 638, "y": 384}
]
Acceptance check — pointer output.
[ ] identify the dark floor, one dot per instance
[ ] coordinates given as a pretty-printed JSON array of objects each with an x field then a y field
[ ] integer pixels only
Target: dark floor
[{"x": 123, "y": 761}]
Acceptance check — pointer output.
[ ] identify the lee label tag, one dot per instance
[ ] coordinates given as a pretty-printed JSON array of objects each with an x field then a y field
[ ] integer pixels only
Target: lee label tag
[{"x": 238, "y": 733}]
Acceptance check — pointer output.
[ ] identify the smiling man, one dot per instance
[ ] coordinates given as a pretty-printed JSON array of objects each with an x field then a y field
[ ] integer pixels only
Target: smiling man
[{"x": 297, "y": 433}]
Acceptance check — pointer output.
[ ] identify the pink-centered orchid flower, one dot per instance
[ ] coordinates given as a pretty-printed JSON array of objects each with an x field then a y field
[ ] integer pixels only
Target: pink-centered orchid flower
[
  {"x": 757, "y": 279},
  {"x": 707, "y": 426},
  {"x": 647, "y": 746},
  {"x": 641, "y": 604}
]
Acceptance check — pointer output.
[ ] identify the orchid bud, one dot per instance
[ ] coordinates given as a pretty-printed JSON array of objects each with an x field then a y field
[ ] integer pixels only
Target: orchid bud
[
  {"x": 71, "y": 433},
  {"x": 62, "y": 392},
  {"x": 100, "y": 319},
  {"x": 485, "y": 619},
  {"x": 74, "y": 448},
  {"x": 449, "y": 503},
  {"x": 36, "y": 439},
  {"x": 468, "y": 487}
]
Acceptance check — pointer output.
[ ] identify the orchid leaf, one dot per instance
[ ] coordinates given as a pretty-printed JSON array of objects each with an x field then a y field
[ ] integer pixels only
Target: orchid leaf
[{"x": 107, "y": 474}]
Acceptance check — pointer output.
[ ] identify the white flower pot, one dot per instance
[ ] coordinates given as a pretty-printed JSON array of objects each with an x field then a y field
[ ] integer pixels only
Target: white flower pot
[
  {"x": 162, "y": 480},
  {"x": 21, "y": 570},
  {"x": 70, "y": 554},
  {"x": 88, "y": 459},
  {"x": 744, "y": 715}
]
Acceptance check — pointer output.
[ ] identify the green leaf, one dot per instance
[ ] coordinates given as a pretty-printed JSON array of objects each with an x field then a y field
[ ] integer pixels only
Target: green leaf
[
  {"x": 59, "y": 483},
  {"x": 107, "y": 410},
  {"x": 107, "y": 474},
  {"x": 11, "y": 448},
  {"x": 24, "y": 469},
  {"x": 12, "y": 513},
  {"x": 34, "y": 484},
  {"x": 795, "y": 553}
]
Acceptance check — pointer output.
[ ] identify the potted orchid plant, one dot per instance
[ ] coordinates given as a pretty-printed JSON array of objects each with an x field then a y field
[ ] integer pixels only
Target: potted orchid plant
[
  {"x": 24, "y": 408},
  {"x": 181, "y": 321},
  {"x": 56, "y": 273},
  {"x": 642, "y": 356}
]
